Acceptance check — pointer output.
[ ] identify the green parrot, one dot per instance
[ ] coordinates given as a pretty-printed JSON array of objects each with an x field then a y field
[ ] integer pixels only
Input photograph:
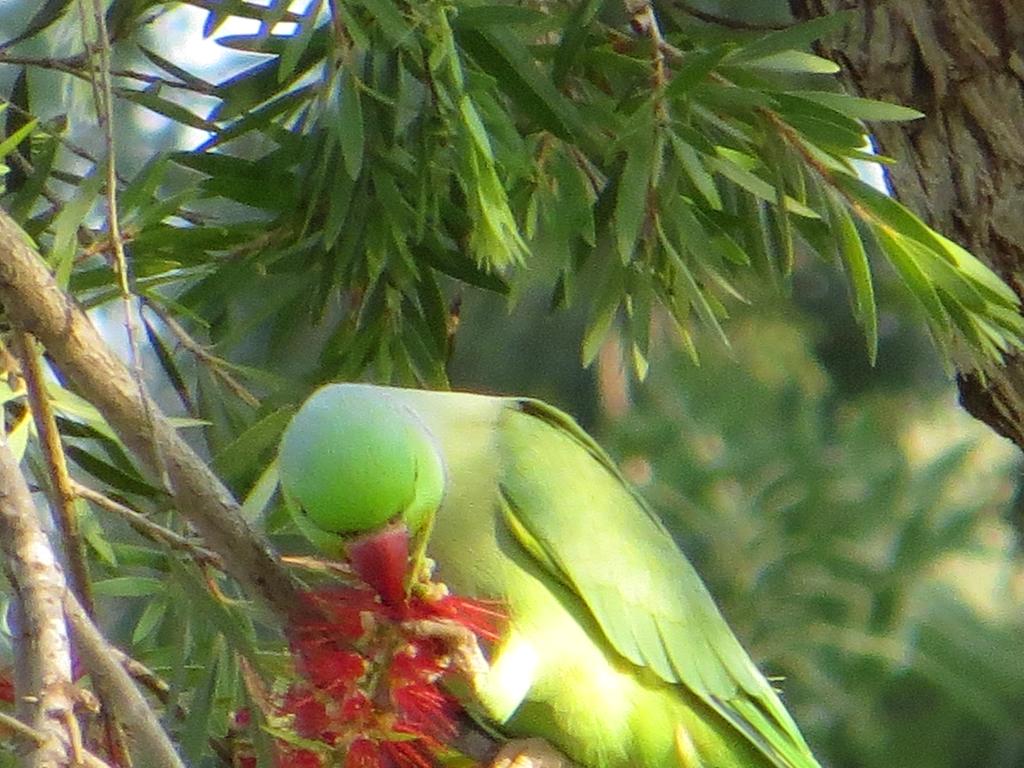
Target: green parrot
[{"x": 614, "y": 651}]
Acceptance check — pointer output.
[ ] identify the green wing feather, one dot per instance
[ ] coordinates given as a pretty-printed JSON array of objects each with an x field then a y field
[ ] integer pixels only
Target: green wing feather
[{"x": 560, "y": 490}]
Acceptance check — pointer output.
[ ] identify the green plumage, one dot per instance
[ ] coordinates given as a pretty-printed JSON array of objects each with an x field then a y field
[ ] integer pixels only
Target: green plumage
[{"x": 615, "y": 651}]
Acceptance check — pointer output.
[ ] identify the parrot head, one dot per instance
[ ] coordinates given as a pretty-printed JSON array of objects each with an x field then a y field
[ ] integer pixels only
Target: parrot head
[{"x": 368, "y": 478}]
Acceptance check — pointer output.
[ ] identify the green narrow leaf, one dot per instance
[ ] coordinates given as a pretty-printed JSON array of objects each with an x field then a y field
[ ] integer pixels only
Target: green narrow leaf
[
  {"x": 242, "y": 454},
  {"x": 350, "y": 125},
  {"x": 175, "y": 112},
  {"x": 12, "y": 141},
  {"x": 435, "y": 311},
  {"x": 785, "y": 230},
  {"x": 391, "y": 22},
  {"x": 50, "y": 12},
  {"x": 129, "y": 586},
  {"x": 197, "y": 83},
  {"x": 605, "y": 308},
  {"x": 631, "y": 199},
  {"x": 258, "y": 499},
  {"x": 851, "y": 250},
  {"x": 150, "y": 619},
  {"x": 697, "y": 297},
  {"x": 757, "y": 186},
  {"x": 505, "y": 58},
  {"x": 475, "y": 126},
  {"x": 298, "y": 41},
  {"x": 983, "y": 278},
  {"x": 944, "y": 275},
  {"x": 166, "y": 360},
  {"x": 639, "y": 313},
  {"x": 574, "y": 35},
  {"x": 427, "y": 368},
  {"x": 914, "y": 277},
  {"x": 69, "y": 404},
  {"x": 65, "y": 225},
  {"x": 17, "y": 438},
  {"x": 454, "y": 263},
  {"x": 260, "y": 118},
  {"x": 795, "y": 37},
  {"x": 195, "y": 734},
  {"x": 338, "y": 206},
  {"x": 725, "y": 245},
  {"x": 693, "y": 166},
  {"x": 21, "y": 204},
  {"x": 696, "y": 66},
  {"x": 860, "y": 108},
  {"x": 108, "y": 473},
  {"x": 794, "y": 61},
  {"x": 884, "y": 210}
]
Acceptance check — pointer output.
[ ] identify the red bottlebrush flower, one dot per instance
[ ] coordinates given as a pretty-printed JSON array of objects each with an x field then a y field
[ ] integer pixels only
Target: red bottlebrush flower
[
  {"x": 418, "y": 659},
  {"x": 407, "y": 753},
  {"x": 311, "y": 718},
  {"x": 333, "y": 670},
  {"x": 425, "y": 710},
  {"x": 363, "y": 753},
  {"x": 356, "y": 708},
  {"x": 374, "y": 674},
  {"x": 484, "y": 618},
  {"x": 299, "y": 758},
  {"x": 337, "y": 612}
]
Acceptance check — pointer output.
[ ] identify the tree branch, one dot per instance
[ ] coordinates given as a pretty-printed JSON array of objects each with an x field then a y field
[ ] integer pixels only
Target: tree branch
[
  {"x": 42, "y": 654},
  {"x": 35, "y": 303},
  {"x": 131, "y": 708},
  {"x": 62, "y": 496},
  {"x": 148, "y": 528}
]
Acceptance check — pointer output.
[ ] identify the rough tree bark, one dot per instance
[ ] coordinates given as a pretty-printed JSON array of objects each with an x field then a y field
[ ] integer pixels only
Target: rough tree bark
[
  {"x": 42, "y": 654},
  {"x": 961, "y": 62}
]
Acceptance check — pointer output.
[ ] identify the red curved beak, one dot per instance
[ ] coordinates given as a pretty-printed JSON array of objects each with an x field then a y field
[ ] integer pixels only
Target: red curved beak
[{"x": 381, "y": 559}]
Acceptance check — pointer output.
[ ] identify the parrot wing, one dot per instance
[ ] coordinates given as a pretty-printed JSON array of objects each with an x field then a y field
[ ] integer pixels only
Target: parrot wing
[{"x": 571, "y": 510}]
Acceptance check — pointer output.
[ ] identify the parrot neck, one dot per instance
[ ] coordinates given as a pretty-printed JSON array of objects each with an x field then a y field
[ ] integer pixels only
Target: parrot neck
[{"x": 381, "y": 559}]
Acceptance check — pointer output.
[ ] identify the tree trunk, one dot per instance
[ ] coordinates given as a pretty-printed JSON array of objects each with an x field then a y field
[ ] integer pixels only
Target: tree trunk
[{"x": 961, "y": 62}]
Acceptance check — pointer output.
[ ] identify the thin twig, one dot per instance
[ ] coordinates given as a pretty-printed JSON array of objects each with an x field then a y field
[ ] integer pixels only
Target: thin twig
[
  {"x": 62, "y": 495},
  {"x": 148, "y": 528},
  {"x": 76, "y": 67},
  {"x": 14, "y": 724},
  {"x": 140, "y": 673},
  {"x": 334, "y": 568},
  {"x": 791, "y": 137},
  {"x": 216, "y": 364},
  {"x": 103, "y": 96},
  {"x": 86, "y": 758},
  {"x": 74, "y": 148},
  {"x": 109, "y": 677},
  {"x": 42, "y": 654},
  {"x": 645, "y": 22}
]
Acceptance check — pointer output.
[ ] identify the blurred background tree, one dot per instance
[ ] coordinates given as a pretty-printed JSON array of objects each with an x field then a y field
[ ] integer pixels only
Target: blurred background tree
[{"x": 469, "y": 195}]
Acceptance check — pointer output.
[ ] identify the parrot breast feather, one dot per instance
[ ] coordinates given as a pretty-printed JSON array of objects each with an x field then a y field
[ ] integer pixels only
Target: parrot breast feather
[{"x": 573, "y": 513}]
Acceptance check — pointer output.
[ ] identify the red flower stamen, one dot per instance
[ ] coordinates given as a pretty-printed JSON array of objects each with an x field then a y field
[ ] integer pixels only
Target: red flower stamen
[{"x": 371, "y": 686}]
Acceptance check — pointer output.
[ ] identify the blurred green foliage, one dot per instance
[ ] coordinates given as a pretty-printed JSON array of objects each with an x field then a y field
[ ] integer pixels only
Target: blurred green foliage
[{"x": 857, "y": 546}]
